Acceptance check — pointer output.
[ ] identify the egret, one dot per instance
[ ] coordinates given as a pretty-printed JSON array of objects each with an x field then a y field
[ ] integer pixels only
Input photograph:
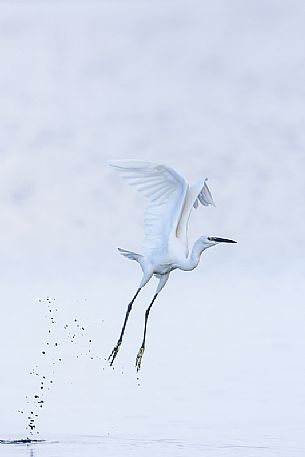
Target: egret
[{"x": 165, "y": 247}]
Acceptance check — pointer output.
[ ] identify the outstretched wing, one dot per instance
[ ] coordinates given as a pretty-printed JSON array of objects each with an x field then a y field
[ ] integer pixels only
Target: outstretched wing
[
  {"x": 199, "y": 192},
  {"x": 204, "y": 196},
  {"x": 165, "y": 190}
]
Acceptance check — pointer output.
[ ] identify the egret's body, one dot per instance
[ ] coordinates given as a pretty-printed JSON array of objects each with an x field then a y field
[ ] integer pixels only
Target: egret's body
[{"x": 165, "y": 248}]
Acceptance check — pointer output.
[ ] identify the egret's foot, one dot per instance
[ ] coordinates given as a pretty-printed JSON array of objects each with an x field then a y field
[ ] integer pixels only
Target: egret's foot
[
  {"x": 114, "y": 352},
  {"x": 139, "y": 358}
]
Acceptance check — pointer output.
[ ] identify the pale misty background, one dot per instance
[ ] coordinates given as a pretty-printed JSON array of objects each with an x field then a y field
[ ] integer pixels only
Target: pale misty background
[{"x": 213, "y": 89}]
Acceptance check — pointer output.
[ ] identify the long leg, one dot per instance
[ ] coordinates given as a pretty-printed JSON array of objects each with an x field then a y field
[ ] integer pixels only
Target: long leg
[
  {"x": 142, "y": 348},
  {"x": 116, "y": 348},
  {"x": 161, "y": 284}
]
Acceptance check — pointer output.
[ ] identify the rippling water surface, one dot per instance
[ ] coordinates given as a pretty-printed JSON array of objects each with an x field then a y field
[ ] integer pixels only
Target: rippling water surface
[{"x": 91, "y": 446}]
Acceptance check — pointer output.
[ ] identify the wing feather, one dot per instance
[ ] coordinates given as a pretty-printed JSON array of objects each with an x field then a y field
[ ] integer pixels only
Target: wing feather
[{"x": 165, "y": 190}]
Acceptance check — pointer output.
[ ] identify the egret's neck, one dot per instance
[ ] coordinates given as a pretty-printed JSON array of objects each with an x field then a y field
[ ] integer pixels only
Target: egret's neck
[{"x": 192, "y": 261}]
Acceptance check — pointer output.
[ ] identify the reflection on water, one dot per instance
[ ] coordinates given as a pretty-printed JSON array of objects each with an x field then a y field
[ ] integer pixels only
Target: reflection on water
[
  {"x": 21, "y": 441},
  {"x": 20, "y": 447}
]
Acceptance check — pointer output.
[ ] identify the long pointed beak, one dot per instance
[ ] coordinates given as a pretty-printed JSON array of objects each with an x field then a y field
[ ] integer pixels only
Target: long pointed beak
[{"x": 221, "y": 240}]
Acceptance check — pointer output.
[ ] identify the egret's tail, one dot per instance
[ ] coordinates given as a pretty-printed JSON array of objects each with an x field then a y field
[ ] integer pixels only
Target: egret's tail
[{"x": 131, "y": 255}]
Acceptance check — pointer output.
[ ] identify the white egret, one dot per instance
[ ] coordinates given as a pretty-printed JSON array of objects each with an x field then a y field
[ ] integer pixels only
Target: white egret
[{"x": 165, "y": 248}]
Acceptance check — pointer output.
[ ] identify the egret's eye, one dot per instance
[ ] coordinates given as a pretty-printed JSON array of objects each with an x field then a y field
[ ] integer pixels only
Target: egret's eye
[{"x": 209, "y": 238}]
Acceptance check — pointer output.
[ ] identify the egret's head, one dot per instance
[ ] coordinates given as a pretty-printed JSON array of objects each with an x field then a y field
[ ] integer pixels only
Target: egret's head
[{"x": 210, "y": 241}]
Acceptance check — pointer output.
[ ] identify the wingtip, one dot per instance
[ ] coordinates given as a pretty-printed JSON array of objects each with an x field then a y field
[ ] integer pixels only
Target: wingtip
[
  {"x": 129, "y": 164},
  {"x": 113, "y": 163},
  {"x": 120, "y": 163}
]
